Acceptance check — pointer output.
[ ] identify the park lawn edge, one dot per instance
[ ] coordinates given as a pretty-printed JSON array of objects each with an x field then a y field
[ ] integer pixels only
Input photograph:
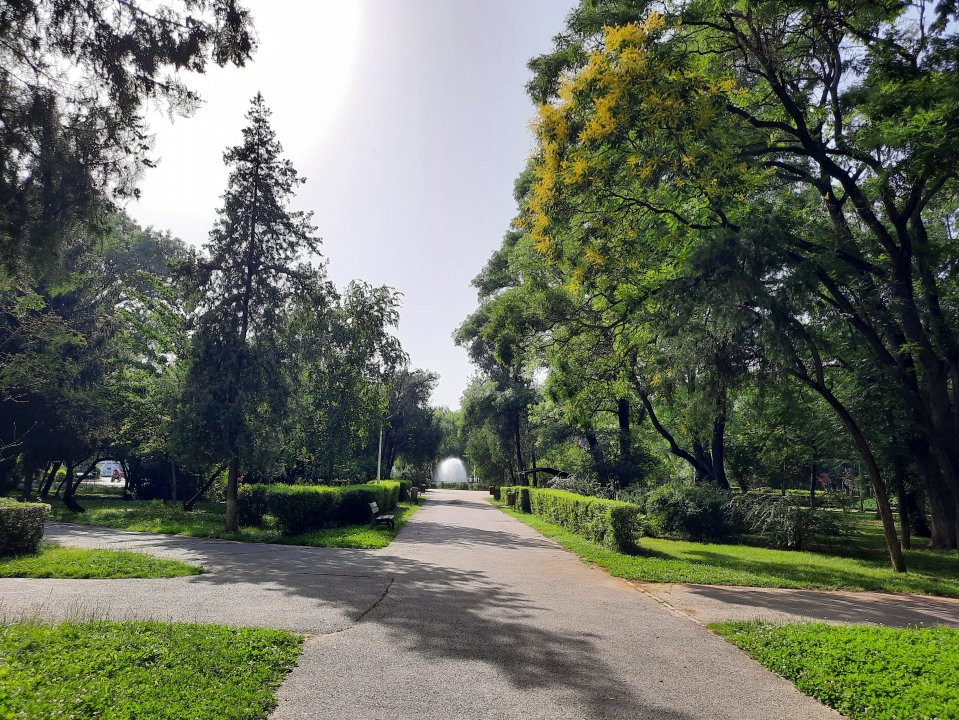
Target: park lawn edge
[
  {"x": 360, "y": 537},
  {"x": 143, "y": 668},
  {"x": 55, "y": 561},
  {"x": 649, "y": 565},
  {"x": 866, "y": 672}
]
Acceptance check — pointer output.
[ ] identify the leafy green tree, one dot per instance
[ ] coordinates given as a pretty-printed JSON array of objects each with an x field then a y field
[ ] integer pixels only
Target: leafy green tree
[
  {"x": 346, "y": 354},
  {"x": 410, "y": 432},
  {"x": 76, "y": 80},
  {"x": 799, "y": 148},
  {"x": 257, "y": 252}
]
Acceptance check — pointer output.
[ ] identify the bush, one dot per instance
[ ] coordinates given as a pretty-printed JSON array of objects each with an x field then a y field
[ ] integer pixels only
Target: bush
[
  {"x": 251, "y": 503},
  {"x": 612, "y": 523},
  {"x": 523, "y": 502},
  {"x": 694, "y": 511},
  {"x": 405, "y": 487},
  {"x": 302, "y": 508},
  {"x": 780, "y": 522},
  {"x": 21, "y": 526},
  {"x": 356, "y": 499}
]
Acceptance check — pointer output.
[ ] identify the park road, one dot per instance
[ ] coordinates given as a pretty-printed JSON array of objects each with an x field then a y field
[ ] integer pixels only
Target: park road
[{"x": 483, "y": 618}]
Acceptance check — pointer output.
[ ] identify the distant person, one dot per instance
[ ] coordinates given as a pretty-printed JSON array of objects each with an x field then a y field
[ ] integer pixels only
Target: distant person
[{"x": 116, "y": 477}]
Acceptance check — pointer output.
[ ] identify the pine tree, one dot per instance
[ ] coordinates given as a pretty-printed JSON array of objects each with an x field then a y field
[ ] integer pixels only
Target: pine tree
[{"x": 257, "y": 248}]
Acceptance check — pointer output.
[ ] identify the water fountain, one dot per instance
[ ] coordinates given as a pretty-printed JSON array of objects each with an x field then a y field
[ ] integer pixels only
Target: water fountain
[{"x": 451, "y": 470}]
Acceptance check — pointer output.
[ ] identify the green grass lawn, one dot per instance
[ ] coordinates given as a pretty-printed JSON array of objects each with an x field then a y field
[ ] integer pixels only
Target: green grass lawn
[
  {"x": 207, "y": 521},
  {"x": 867, "y": 673},
  {"x": 676, "y": 561},
  {"x": 142, "y": 670},
  {"x": 54, "y": 561}
]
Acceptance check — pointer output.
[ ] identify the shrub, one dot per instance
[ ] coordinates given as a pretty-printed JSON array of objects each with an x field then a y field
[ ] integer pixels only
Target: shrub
[
  {"x": 693, "y": 511},
  {"x": 780, "y": 522},
  {"x": 523, "y": 502},
  {"x": 21, "y": 526},
  {"x": 612, "y": 523},
  {"x": 405, "y": 487},
  {"x": 497, "y": 492},
  {"x": 302, "y": 508},
  {"x": 356, "y": 499},
  {"x": 251, "y": 503}
]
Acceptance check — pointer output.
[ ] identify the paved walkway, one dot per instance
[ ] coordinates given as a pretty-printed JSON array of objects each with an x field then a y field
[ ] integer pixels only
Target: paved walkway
[
  {"x": 714, "y": 603},
  {"x": 469, "y": 614}
]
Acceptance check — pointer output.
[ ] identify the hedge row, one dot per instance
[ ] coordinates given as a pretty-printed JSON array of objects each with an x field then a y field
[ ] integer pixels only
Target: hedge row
[
  {"x": 21, "y": 526},
  {"x": 612, "y": 523},
  {"x": 304, "y": 508}
]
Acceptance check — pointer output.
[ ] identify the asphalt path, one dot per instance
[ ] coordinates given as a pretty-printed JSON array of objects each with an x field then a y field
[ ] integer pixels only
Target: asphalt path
[{"x": 468, "y": 614}]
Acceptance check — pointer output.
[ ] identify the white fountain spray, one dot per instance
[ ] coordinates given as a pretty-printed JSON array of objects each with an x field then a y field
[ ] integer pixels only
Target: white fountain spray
[{"x": 451, "y": 470}]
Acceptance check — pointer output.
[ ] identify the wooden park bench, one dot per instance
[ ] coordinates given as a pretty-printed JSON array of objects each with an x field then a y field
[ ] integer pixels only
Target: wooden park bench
[{"x": 381, "y": 519}]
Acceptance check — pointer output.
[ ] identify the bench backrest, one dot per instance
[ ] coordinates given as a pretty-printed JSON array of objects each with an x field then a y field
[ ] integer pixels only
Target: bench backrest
[{"x": 374, "y": 508}]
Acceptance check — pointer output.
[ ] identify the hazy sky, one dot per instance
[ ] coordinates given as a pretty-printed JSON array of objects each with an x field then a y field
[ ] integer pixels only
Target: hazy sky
[{"x": 410, "y": 122}]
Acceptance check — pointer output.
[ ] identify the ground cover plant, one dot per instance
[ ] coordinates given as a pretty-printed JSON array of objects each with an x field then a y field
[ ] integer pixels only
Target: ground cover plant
[
  {"x": 867, "y": 673},
  {"x": 677, "y": 561},
  {"x": 206, "y": 521},
  {"x": 146, "y": 670},
  {"x": 54, "y": 561}
]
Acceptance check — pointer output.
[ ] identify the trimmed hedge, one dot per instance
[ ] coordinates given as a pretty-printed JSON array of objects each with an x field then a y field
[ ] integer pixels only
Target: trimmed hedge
[
  {"x": 21, "y": 526},
  {"x": 251, "y": 504},
  {"x": 612, "y": 523},
  {"x": 304, "y": 508}
]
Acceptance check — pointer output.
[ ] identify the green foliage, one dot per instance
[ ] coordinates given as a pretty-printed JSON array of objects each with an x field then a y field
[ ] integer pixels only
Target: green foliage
[
  {"x": 866, "y": 673},
  {"x": 304, "y": 508},
  {"x": 53, "y": 561},
  {"x": 21, "y": 526},
  {"x": 780, "y": 521},
  {"x": 676, "y": 561},
  {"x": 611, "y": 523},
  {"x": 147, "y": 670},
  {"x": 252, "y": 504},
  {"x": 693, "y": 511},
  {"x": 87, "y": 137}
]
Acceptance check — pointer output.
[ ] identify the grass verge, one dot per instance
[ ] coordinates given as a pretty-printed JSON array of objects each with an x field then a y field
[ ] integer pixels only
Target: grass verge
[
  {"x": 54, "y": 561},
  {"x": 866, "y": 673},
  {"x": 143, "y": 670},
  {"x": 207, "y": 521},
  {"x": 676, "y": 561}
]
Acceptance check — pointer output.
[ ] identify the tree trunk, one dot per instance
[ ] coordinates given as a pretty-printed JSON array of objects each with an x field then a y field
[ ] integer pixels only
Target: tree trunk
[
  {"x": 904, "y": 523},
  {"x": 518, "y": 441},
  {"x": 50, "y": 478},
  {"x": 188, "y": 505},
  {"x": 862, "y": 446},
  {"x": 719, "y": 452},
  {"x": 812, "y": 485},
  {"x": 233, "y": 483},
  {"x": 172, "y": 481},
  {"x": 29, "y": 471}
]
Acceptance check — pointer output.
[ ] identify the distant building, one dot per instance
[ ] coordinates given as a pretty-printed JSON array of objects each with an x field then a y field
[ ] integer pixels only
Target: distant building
[{"x": 107, "y": 468}]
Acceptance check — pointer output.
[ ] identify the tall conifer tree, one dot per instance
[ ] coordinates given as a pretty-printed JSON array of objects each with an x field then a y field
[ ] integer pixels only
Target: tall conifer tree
[{"x": 257, "y": 250}]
